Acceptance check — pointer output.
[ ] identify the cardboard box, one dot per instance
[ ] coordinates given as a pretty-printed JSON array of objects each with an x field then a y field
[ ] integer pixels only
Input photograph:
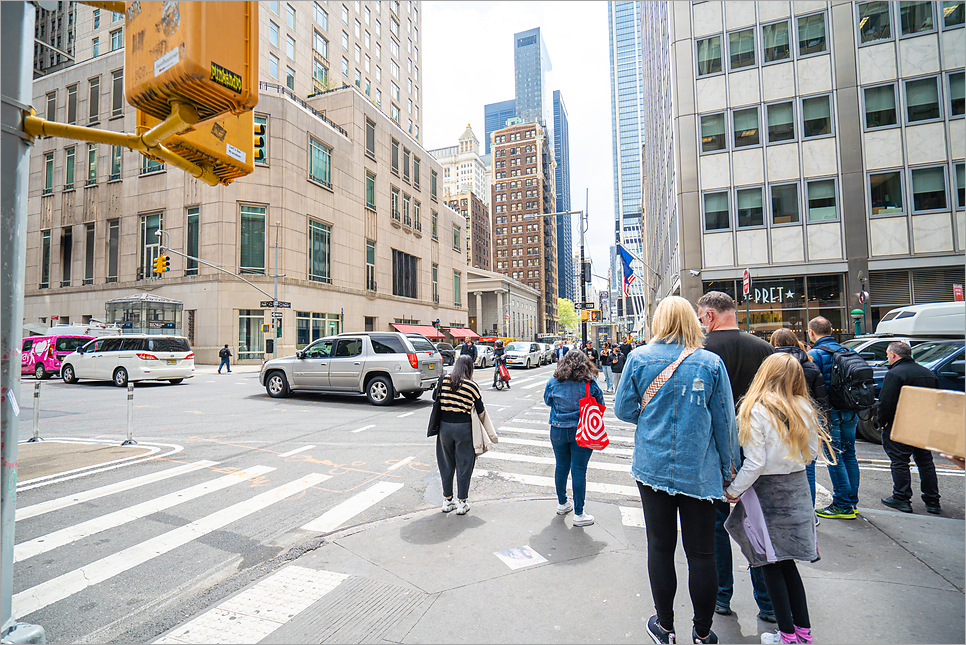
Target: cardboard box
[{"x": 931, "y": 419}]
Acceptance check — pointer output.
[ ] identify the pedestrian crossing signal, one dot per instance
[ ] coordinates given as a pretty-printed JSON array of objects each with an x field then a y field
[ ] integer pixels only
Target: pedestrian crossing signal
[
  {"x": 161, "y": 264},
  {"x": 261, "y": 136}
]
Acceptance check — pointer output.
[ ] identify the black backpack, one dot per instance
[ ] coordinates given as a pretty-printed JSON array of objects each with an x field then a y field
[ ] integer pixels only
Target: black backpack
[
  {"x": 224, "y": 352},
  {"x": 851, "y": 386}
]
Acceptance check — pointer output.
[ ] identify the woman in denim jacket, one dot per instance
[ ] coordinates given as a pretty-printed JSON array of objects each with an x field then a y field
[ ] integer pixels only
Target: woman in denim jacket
[
  {"x": 563, "y": 392},
  {"x": 685, "y": 453}
]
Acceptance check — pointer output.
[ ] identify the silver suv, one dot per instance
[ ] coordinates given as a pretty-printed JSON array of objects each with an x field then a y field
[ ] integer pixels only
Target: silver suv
[{"x": 379, "y": 364}]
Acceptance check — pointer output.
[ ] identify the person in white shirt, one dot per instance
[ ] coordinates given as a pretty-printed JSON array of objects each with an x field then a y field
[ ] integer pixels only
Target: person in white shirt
[{"x": 780, "y": 431}]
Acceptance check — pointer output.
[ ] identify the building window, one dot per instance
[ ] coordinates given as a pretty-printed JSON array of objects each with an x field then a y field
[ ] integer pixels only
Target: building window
[
  {"x": 394, "y": 112},
  {"x": 880, "y": 106},
  {"x": 457, "y": 289},
  {"x": 72, "y": 104},
  {"x": 91, "y": 164},
  {"x": 320, "y": 249},
  {"x": 345, "y": 41},
  {"x": 52, "y": 106},
  {"x": 320, "y": 168},
  {"x": 115, "y": 163},
  {"x": 192, "y": 244},
  {"x": 709, "y": 55},
  {"x": 289, "y": 78},
  {"x": 117, "y": 93},
  {"x": 394, "y": 205},
  {"x": 713, "y": 135},
  {"x": 149, "y": 166},
  {"x": 96, "y": 47},
  {"x": 741, "y": 48},
  {"x": 928, "y": 189},
  {"x": 457, "y": 238},
  {"x": 750, "y": 210},
  {"x": 953, "y": 13},
  {"x": 273, "y": 33},
  {"x": 48, "y": 173},
  {"x": 916, "y": 17},
  {"x": 956, "y": 93},
  {"x": 811, "y": 34},
  {"x": 816, "y": 117},
  {"x": 432, "y": 184},
  {"x": 875, "y": 22},
  {"x": 370, "y": 265},
  {"x": 290, "y": 47},
  {"x": 417, "y": 224},
  {"x": 922, "y": 100},
  {"x": 394, "y": 157},
  {"x": 321, "y": 45},
  {"x": 370, "y": 139},
  {"x": 252, "y": 257},
  {"x": 960, "y": 184},
  {"x": 416, "y": 168},
  {"x": 886, "y": 193},
  {"x": 117, "y": 40},
  {"x": 435, "y": 283},
  {"x": 150, "y": 242},
  {"x": 406, "y": 156},
  {"x": 251, "y": 340},
  {"x": 781, "y": 122},
  {"x": 113, "y": 248},
  {"x": 321, "y": 16},
  {"x": 69, "y": 170},
  {"x": 89, "y": 254},
  {"x": 320, "y": 76},
  {"x": 273, "y": 66},
  {"x": 94, "y": 100},
  {"x": 775, "y": 42},
  {"x": 746, "y": 127},
  {"x": 405, "y": 276},
  {"x": 97, "y": 19},
  {"x": 290, "y": 15},
  {"x": 45, "y": 260},
  {"x": 370, "y": 191},
  {"x": 821, "y": 201},
  {"x": 434, "y": 220},
  {"x": 784, "y": 204},
  {"x": 407, "y": 218}
]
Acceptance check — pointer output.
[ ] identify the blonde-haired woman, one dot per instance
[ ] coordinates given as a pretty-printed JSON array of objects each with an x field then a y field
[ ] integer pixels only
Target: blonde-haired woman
[
  {"x": 685, "y": 449},
  {"x": 779, "y": 432}
]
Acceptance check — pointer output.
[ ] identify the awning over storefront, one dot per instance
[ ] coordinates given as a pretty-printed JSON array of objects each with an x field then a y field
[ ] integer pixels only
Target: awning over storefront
[
  {"x": 462, "y": 332},
  {"x": 426, "y": 330}
]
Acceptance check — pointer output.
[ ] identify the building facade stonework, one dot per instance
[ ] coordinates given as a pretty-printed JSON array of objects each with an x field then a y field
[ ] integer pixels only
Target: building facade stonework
[{"x": 479, "y": 241}]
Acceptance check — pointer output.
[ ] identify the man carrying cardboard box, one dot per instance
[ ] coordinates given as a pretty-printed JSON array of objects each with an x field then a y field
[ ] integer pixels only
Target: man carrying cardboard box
[{"x": 905, "y": 371}]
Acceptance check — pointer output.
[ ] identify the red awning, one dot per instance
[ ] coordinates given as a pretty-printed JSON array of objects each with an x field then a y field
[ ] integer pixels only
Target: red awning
[
  {"x": 462, "y": 332},
  {"x": 426, "y": 330}
]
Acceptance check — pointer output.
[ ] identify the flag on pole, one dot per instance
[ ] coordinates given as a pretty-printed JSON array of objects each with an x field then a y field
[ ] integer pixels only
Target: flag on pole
[{"x": 629, "y": 276}]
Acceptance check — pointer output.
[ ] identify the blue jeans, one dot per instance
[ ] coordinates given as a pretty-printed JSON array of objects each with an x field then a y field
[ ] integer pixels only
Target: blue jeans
[
  {"x": 571, "y": 460},
  {"x": 726, "y": 576},
  {"x": 844, "y": 473},
  {"x": 609, "y": 376},
  {"x": 224, "y": 363},
  {"x": 810, "y": 475}
]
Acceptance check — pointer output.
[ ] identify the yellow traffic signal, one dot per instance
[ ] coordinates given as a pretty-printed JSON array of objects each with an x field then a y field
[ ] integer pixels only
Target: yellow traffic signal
[
  {"x": 261, "y": 139},
  {"x": 266, "y": 328},
  {"x": 584, "y": 315},
  {"x": 161, "y": 264}
]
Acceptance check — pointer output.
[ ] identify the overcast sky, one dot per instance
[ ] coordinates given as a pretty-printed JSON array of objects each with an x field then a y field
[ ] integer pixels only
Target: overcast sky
[{"x": 467, "y": 62}]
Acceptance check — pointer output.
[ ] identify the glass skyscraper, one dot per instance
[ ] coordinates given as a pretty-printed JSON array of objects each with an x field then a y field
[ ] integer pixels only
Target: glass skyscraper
[
  {"x": 565, "y": 241},
  {"x": 494, "y": 118},
  {"x": 531, "y": 68}
]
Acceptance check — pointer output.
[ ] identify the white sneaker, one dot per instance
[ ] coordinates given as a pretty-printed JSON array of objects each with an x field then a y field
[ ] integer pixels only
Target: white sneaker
[
  {"x": 462, "y": 508},
  {"x": 771, "y": 638},
  {"x": 563, "y": 509},
  {"x": 448, "y": 505},
  {"x": 584, "y": 519}
]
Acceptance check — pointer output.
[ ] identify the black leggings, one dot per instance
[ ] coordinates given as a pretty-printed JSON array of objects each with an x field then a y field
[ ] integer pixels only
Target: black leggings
[
  {"x": 661, "y": 511},
  {"x": 787, "y": 595}
]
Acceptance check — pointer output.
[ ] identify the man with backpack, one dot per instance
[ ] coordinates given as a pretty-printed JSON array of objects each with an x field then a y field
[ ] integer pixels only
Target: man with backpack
[
  {"x": 225, "y": 356},
  {"x": 848, "y": 379}
]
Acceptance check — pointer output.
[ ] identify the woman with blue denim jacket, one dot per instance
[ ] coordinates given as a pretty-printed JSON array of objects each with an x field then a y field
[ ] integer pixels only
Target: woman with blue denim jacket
[
  {"x": 685, "y": 453},
  {"x": 575, "y": 373}
]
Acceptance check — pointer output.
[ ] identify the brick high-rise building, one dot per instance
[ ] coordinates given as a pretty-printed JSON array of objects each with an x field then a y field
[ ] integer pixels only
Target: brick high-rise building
[
  {"x": 479, "y": 247},
  {"x": 525, "y": 244}
]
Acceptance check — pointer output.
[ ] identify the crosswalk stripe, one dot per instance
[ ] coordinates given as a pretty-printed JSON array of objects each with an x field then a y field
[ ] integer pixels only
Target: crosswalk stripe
[
  {"x": 259, "y": 610},
  {"x": 546, "y": 444},
  {"x": 512, "y": 456},
  {"x": 64, "y": 502},
  {"x": 296, "y": 451},
  {"x": 610, "y": 436},
  {"x": 632, "y": 516},
  {"x": 339, "y": 515},
  {"x": 80, "y": 531},
  {"x": 30, "y": 600},
  {"x": 547, "y": 482},
  {"x": 530, "y": 386}
]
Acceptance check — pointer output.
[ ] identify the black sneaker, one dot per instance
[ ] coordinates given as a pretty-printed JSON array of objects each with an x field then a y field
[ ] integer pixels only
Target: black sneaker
[
  {"x": 934, "y": 509},
  {"x": 722, "y": 609},
  {"x": 657, "y": 633},
  {"x": 767, "y": 616},
  {"x": 710, "y": 638},
  {"x": 901, "y": 505}
]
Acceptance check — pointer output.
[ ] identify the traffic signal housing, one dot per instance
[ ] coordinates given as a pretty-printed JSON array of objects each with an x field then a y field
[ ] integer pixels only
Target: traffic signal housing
[
  {"x": 260, "y": 146},
  {"x": 161, "y": 264}
]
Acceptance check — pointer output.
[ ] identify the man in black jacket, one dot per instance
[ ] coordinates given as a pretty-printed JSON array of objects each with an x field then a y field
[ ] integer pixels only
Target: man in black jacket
[
  {"x": 905, "y": 371},
  {"x": 468, "y": 349}
]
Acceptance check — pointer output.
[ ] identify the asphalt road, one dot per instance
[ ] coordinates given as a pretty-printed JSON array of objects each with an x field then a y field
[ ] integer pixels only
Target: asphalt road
[{"x": 277, "y": 474}]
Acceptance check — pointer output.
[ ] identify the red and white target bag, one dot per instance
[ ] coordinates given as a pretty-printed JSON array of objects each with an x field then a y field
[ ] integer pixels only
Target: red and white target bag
[{"x": 590, "y": 429}]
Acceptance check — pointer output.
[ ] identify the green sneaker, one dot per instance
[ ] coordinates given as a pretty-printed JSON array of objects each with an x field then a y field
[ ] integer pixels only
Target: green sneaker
[{"x": 835, "y": 513}]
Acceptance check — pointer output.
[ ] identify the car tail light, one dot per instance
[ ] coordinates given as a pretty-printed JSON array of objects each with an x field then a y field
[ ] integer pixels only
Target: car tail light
[
  {"x": 191, "y": 355},
  {"x": 147, "y": 357},
  {"x": 413, "y": 360}
]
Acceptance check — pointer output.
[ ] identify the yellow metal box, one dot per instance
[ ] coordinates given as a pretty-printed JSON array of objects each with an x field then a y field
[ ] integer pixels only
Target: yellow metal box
[{"x": 203, "y": 53}]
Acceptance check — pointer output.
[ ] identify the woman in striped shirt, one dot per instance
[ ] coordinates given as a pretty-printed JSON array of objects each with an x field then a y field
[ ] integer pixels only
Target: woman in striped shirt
[{"x": 458, "y": 397}]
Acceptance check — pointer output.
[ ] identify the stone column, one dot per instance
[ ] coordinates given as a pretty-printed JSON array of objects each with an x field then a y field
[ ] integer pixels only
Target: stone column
[
  {"x": 500, "y": 319},
  {"x": 479, "y": 313}
]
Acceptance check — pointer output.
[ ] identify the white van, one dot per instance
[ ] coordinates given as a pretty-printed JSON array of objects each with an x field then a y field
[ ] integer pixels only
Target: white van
[
  {"x": 945, "y": 319},
  {"x": 131, "y": 358}
]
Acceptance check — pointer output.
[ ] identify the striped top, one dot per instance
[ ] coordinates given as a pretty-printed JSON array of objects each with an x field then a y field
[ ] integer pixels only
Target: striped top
[{"x": 457, "y": 406}]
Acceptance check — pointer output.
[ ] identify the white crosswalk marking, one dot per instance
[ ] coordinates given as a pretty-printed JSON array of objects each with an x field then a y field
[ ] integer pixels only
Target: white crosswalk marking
[
  {"x": 336, "y": 517},
  {"x": 632, "y": 516},
  {"x": 547, "y": 482},
  {"x": 546, "y": 444},
  {"x": 613, "y": 438},
  {"x": 550, "y": 461},
  {"x": 64, "y": 586}
]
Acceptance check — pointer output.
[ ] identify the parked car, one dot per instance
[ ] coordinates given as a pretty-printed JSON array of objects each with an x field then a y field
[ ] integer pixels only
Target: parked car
[
  {"x": 484, "y": 356},
  {"x": 873, "y": 348},
  {"x": 448, "y": 352},
  {"x": 938, "y": 319},
  {"x": 943, "y": 357},
  {"x": 523, "y": 354},
  {"x": 42, "y": 356},
  {"x": 546, "y": 353},
  {"x": 380, "y": 365},
  {"x": 131, "y": 358}
]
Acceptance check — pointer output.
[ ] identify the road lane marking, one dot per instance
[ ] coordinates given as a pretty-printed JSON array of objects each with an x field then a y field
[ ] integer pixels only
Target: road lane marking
[
  {"x": 296, "y": 451},
  {"x": 339, "y": 515},
  {"x": 47, "y": 593},
  {"x": 363, "y": 428},
  {"x": 530, "y": 386},
  {"x": 400, "y": 464},
  {"x": 96, "y": 525},
  {"x": 550, "y": 461},
  {"x": 408, "y": 414},
  {"x": 546, "y": 444},
  {"x": 95, "y": 493},
  {"x": 547, "y": 482}
]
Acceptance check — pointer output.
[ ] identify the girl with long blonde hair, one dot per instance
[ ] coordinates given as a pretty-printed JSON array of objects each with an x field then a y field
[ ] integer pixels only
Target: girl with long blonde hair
[{"x": 774, "y": 520}]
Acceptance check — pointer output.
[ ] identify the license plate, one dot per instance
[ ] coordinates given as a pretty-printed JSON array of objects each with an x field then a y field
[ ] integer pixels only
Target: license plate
[
  {"x": 432, "y": 366},
  {"x": 171, "y": 362}
]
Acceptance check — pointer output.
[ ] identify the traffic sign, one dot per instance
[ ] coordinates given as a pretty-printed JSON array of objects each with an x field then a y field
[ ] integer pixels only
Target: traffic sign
[
  {"x": 275, "y": 303},
  {"x": 590, "y": 304},
  {"x": 276, "y": 315},
  {"x": 746, "y": 282}
]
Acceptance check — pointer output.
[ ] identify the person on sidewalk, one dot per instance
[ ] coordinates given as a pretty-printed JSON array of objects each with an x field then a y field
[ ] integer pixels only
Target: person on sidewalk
[
  {"x": 563, "y": 392},
  {"x": 560, "y": 352},
  {"x": 591, "y": 353},
  {"x": 785, "y": 341},
  {"x": 626, "y": 347},
  {"x": 617, "y": 366},
  {"x": 779, "y": 433},
  {"x": 455, "y": 455},
  {"x": 905, "y": 371},
  {"x": 844, "y": 471},
  {"x": 606, "y": 361},
  {"x": 468, "y": 349},
  {"x": 685, "y": 453},
  {"x": 225, "y": 356},
  {"x": 499, "y": 358},
  {"x": 742, "y": 353}
]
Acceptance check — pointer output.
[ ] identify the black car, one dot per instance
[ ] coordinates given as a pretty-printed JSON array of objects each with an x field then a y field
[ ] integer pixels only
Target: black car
[
  {"x": 943, "y": 357},
  {"x": 448, "y": 352}
]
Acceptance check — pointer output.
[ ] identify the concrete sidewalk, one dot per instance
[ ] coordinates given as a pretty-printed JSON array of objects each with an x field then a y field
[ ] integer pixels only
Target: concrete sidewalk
[{"x": 429, "y": 577}]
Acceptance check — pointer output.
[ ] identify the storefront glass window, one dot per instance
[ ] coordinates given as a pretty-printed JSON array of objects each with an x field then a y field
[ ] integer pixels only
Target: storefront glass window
[{"x": 251, "y": 340}]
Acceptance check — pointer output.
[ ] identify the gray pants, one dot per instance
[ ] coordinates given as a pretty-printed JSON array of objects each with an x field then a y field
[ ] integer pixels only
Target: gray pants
[
  {"x": 617, "y": 380},
  {"x": 455, "y": 455}
]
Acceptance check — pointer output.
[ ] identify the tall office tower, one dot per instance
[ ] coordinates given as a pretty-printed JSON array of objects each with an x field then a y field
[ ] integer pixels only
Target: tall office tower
[
  {"x": 54, "y": 33},
  {"x": 565, "y": 237},
  {"x": 495, "y": 116},
  {"x": 815, "y": 149},
  {"x": 524, "y": 242},
  {"x": 531, "y": 67},
  {"x": 463, "y": 168}
]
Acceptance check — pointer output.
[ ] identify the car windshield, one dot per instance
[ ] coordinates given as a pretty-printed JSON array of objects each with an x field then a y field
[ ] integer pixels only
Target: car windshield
[
  {"x": 518, "y": 347},
  {"x": 853, "y": 343},
  {"x": 929, "y": 353}
]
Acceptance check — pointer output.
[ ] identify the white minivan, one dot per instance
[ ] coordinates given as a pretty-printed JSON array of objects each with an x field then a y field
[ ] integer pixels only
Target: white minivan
[{"x": 131, "y": 358}]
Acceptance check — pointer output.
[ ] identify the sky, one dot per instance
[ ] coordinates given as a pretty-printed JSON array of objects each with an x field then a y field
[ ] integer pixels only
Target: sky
[{"x": 467, "y": 57}]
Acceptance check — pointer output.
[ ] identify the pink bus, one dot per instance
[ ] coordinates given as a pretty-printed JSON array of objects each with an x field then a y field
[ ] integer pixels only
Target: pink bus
[{"x": 42, "y": 355}]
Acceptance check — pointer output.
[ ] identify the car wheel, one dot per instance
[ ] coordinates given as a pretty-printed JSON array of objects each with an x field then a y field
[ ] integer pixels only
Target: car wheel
[
  {"x": 379, "y": 391},
  {"x": 120, "y": 377},
  {"x": 67, "y": 373},
  {"x": 868, "y": 428},
  {"x": 276, "y": 385},
  {"x": 40, "y": 372},
  {"x": 412, "y": 396},
  {"x": 175, "y": 381}
]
